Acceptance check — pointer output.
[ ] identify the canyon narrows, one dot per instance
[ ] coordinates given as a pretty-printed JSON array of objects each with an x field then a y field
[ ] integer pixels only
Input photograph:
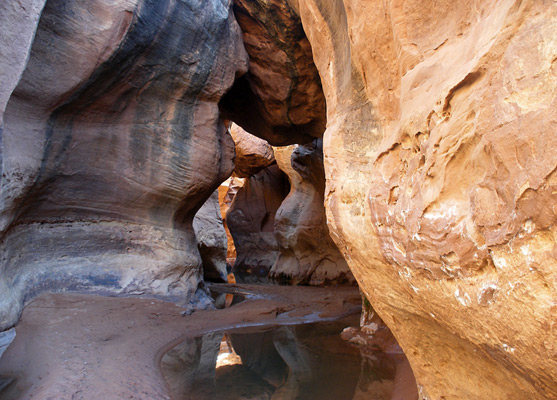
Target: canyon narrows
[{"x": 406, "y": 145}]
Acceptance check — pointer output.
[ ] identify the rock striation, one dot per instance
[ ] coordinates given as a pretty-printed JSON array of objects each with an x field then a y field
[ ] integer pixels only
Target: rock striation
[
  {"x": 280, "y": 99},
  {"x": 307, "y": 253},
  {"x": 111, "y": 142},
  {"x": 440, "y": 170}
]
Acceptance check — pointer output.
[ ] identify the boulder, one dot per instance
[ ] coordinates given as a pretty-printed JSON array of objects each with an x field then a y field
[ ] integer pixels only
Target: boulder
[{"x": 252, "y": 153}]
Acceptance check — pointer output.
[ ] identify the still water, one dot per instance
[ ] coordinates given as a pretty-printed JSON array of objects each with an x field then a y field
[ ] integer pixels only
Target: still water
[{"x": 304, "y": 362}]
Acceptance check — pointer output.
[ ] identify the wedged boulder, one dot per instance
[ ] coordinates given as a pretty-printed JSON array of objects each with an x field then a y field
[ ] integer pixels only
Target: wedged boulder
[
  {"x": 280, "y": 99},
  {"x": 252, "y": 153},
  {"x": 440, "y": 167},
  {"x": 251, "y": 219},
  {"x": 308, "y": 255},
  {"x": 112, "y": 140}
]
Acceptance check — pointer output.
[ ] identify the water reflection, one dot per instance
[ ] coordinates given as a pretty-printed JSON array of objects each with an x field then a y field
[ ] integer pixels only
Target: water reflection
[{"x": 303, "y": 362}]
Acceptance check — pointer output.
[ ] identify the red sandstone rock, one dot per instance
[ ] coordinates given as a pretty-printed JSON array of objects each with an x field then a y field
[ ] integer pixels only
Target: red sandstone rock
[
  {"x": 439, "y": 158},
  {"x": 227, "y": 191},
  {"x": 280, "y": 99}
]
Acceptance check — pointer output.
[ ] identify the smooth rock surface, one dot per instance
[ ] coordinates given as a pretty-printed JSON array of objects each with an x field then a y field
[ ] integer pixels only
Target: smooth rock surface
[
  {"x": 251, "y": 219},
  {"x": 252, "y": 153},
  {"x": 440, "y": 165},
  {"x": 112, "y": 141},
  {"x": 307, "y": 253},
  {"x": 211, "y": 239}
]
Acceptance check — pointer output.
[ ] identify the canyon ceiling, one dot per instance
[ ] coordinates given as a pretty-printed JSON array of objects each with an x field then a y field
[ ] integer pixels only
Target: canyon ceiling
[{"x": 435, "y": 122}]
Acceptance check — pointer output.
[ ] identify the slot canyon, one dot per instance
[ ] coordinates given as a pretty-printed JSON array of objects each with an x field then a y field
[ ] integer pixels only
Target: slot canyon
[{"x": 278, "y": 199}]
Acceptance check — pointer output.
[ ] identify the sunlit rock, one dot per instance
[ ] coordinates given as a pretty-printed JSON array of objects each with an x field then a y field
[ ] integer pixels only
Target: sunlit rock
[{"x": 440, "y": 166}]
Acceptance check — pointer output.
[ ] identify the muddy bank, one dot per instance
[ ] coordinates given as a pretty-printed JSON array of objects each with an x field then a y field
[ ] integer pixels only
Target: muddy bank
[{"x": 75, "y": 346}]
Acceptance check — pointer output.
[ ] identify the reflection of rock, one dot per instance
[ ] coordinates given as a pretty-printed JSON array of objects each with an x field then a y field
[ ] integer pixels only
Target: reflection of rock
[
  {"x": 288, "y": 362},
  {"x": 252, "y": 153},
  {"x": 280, "y": 99},
  {"x": 440, "y": 162},
  {"x": 307, "y": 252},
  {"x": 211, "y": 239},
  {"x": 111, "y": 142},
  {"x": 189, "y": 367},
  {"x": 298, "y": 361},
  {"x": 251, "y": 220},
  {"x": 258, "y": 352},
  {"x": 6, "y": 338}
]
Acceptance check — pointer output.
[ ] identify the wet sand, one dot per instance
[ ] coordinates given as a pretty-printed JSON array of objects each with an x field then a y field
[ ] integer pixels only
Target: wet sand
[{"x": 77, "y": 346}]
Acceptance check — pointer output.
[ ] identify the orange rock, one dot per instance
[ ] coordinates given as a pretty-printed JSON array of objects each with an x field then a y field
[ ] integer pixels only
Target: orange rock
[{"x": 439, "y": 159}]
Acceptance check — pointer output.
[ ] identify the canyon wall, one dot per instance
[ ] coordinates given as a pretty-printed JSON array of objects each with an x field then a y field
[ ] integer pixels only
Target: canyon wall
[
  {"x": 251, "y": 220},
  {"x": 280, "y": 99},
  {"x": 212, "y": 240},
  {"x": 307, "y": 252},
  {"x": 111, "y": 142},
  {"x": 440, "y": 166}
]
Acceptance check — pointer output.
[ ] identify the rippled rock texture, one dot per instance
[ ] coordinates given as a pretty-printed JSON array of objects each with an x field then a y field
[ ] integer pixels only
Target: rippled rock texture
[
  {"x": 440, "y": 165},
  {"x": 307, "y": 253},
  {"x": 111, "y": 142},
  {"x": 280, "y": 99}
]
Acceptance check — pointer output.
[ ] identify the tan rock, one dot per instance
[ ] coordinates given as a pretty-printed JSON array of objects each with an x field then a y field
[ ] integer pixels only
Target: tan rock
[
  {"x": 227, "y": 191},
  {"x": 439, "y": 158},
  {"x": 307, "y": 253},
  {"x": 252, "y": 153}
]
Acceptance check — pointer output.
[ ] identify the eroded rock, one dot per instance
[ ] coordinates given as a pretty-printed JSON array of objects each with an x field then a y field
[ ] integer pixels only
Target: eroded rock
[
  {"x": 440, "y": 182},
  {"x": 280, "y": 99},
  {"x": 307, "y": 252},
  {"x": 112, "y": 140},
  {"x": 251, "y": 219},
  {"x": 252, "y": 153},
  {"x": 211, "y": 239}
]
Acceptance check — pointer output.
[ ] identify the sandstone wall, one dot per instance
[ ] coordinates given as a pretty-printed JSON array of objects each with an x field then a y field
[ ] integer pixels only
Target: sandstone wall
[
  {"x": 307, "y": 252},
  {"x": 251, "y": 219},
  {"x": 211, "y": 239},
  {"x": 111, "y": 142},
  {"x": 440, "y": 166},
  {"x": 280, "y": 99}
]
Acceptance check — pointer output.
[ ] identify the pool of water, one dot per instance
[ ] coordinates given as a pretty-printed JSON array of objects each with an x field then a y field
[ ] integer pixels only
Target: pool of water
[{"x": 307, "y": 361}]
